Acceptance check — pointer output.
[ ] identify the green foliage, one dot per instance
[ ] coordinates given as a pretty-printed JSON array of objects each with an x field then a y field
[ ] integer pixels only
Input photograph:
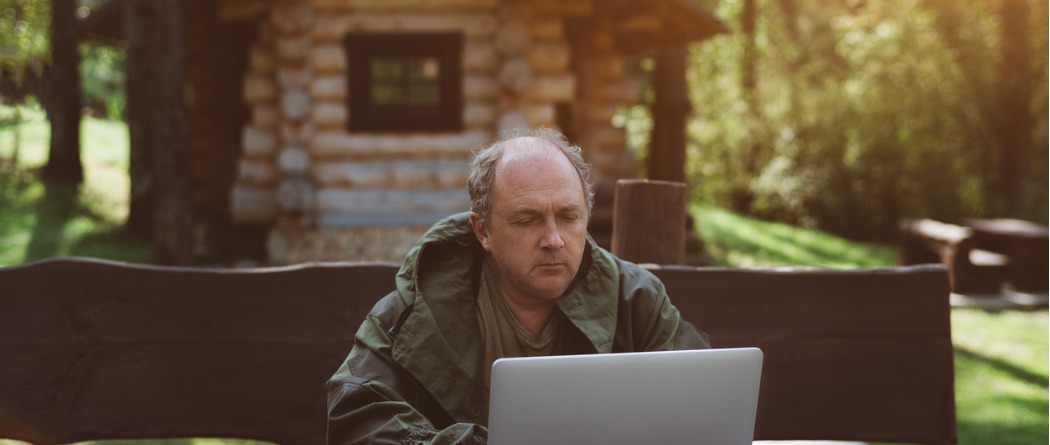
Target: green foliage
[
  {"x": 25, "y": 53},
  {"x": 23, "y": 30},
  {"x": 862, "y": 114},
  {"x": 41, "y": 220},
  {"x": 102, "y": 74}
]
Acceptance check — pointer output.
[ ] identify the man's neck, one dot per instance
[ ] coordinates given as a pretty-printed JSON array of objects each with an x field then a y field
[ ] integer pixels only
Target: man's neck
[{"x": 532, "y": 315}]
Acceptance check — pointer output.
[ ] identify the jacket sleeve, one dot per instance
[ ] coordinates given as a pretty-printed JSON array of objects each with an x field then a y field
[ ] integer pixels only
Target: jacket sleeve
[{"x": 372, "y": 400}]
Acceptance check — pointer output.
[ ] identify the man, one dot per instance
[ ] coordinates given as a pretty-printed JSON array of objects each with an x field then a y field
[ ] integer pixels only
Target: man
[{"x": 518, "y": 276}]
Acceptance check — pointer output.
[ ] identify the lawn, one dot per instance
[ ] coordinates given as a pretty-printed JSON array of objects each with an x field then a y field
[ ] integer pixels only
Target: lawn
[
  {"x": 1001, "y": 357},
  {"x": 38, "y": 220}
]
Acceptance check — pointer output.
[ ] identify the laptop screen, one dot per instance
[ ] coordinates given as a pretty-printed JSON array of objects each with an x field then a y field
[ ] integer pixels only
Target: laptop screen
[{"x": 670, "y": 397}]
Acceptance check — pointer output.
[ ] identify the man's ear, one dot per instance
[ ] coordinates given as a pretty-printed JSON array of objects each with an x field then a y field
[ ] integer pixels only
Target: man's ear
[{"x": 479, "y": 230}]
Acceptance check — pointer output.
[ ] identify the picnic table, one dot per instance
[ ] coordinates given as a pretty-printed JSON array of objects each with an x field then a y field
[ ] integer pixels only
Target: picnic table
[
  {"x": 1025, "y": 244},
  {"x": 973, "y": 270}
]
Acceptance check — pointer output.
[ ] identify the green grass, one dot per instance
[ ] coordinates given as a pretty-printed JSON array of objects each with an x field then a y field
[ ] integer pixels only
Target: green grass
[
  {"x": 1000, "y": 357},
  {"x": 1001, "y": 376},
  {"x": 738, "y": 241},
  {"x": 39, "y": 220}
]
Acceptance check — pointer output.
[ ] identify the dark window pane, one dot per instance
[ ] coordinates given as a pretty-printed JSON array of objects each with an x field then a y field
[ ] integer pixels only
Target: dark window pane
[
  {"x": 404, "y": 82},
  {"x": 387, "y": 95},
  {"x": 426, "y": 94}
]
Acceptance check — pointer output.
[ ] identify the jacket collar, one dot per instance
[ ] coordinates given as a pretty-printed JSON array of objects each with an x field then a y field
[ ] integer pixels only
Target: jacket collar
[{"x": 438, "y": 281}]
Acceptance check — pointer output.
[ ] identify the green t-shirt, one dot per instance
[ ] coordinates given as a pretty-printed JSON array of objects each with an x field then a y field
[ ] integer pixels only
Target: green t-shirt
[{"x": 502, "y": 336}]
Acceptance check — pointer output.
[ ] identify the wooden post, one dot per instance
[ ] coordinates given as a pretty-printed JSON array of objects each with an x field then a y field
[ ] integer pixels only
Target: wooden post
[
  {"x": 670, "y": 110},
  {"x": 649, "y": 221}
]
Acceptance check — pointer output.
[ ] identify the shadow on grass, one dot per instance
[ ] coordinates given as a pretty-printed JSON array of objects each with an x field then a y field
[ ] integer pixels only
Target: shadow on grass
[
  {"x": 1001, "y": 432},
  {"x": 1004, "y": 366},
  {"x": 40, "y": 220},
  {"x": 115, "y": 244},
  {"x": 54, "y": 211}
]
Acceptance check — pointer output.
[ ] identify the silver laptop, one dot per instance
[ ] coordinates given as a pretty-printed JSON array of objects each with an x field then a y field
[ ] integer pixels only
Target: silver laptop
[{"x": 674, "y": 397}]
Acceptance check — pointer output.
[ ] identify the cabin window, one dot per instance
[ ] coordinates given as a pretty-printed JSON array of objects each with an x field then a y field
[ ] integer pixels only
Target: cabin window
[{"x": 405, "y": 82}]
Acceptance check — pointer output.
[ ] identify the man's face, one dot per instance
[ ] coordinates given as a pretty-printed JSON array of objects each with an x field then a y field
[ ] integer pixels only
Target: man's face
[{"x": 537, "y": 224}]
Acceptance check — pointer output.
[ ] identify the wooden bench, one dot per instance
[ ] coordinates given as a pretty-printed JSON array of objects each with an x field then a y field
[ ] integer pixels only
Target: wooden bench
[
  {"x": 94, "y": 349},
  {"x": 972, "y": 270},
  {"x": 1026, "y": 244}
]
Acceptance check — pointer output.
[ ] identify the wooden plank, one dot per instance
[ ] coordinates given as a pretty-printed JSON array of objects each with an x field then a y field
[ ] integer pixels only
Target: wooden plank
[
  {"x": 244, "y": 9},
  {"x": 403, "y": 5},
  {"x": 333, "y": 27},
  {"x": 850, "y": 355},
  {"x": 428, "y": 200},
  {"x": 346, "y": 145},
  {"x": 115, "y": 350},
  {"x": 392, "y": 174},
  {"x": 564, "y": 7},
  {"x": 94, "y": 349},
  {"x": 649, "y": 221}
]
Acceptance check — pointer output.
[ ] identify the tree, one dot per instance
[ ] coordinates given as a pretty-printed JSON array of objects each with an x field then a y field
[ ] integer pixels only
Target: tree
[
  {"x": 157, "y": 122},
  {"x": 63, "y": 164},
  {"x": 23, "y": 47},
  {"x": 868, "y": 111},
  {"x": 1003, "y": 95}
]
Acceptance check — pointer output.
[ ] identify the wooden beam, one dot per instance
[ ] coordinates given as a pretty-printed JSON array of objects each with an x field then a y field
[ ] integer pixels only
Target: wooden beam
[
  {"x": 649, "y": 221},
  {"x": 243, "y": 9}
]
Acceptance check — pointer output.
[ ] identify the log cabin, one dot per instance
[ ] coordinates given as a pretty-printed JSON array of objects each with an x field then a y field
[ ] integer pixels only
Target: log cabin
[{"x": 341, "y": 129}]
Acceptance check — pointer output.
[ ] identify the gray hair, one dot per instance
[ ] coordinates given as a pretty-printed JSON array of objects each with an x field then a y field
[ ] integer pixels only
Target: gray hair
[{"x": 483, "y": 167}]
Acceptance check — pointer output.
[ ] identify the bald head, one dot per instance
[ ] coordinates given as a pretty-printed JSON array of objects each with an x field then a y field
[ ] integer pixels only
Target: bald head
[{"x": 527, "y": 152}]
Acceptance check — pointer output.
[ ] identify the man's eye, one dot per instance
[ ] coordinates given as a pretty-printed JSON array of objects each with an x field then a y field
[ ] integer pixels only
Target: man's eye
[
  {"x": 570, "y": 217},
  {"x": 521, "y": 222}
]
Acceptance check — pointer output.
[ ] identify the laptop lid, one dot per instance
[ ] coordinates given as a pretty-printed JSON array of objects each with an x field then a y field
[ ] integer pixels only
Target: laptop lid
[{"x": 671, "y": 397}]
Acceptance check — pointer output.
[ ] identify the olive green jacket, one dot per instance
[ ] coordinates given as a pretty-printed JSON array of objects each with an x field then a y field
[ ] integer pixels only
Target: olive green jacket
[{"x": 412, "y": 376}]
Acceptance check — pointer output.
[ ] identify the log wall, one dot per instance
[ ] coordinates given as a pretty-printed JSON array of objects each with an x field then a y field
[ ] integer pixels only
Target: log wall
[{"x": 300, "y": 167}]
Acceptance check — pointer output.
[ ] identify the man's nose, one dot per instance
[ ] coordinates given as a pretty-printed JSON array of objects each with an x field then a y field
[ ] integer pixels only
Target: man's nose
[{"x": 551, "y": 239}]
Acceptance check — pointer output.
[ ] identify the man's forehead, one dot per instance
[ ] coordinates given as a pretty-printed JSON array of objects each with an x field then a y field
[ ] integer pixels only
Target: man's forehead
[
  {"x": 527, "y": 147},
  {"x": 537, "y": 177}
]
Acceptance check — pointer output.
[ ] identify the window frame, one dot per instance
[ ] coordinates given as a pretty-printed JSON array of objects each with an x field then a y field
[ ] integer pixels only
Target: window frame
[{"x": 366, "y": 116}]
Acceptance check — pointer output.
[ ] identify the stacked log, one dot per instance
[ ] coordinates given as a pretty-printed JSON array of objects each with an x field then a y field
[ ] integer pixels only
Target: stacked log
[
  {"x": 252, "y": 197},
  {"x": 534, "y": 73},
  {"x": 300, "y": 165},
  {"x": 603, "y": 87},
  {"x": 360, "y": 175}
]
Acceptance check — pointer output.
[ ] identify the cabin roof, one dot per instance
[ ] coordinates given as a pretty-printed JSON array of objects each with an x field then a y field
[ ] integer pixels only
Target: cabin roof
[{"x": 639, "y": 26}]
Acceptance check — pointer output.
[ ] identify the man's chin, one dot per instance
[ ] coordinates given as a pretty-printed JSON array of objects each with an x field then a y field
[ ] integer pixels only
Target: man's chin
[{"x": 550, "y": 289}]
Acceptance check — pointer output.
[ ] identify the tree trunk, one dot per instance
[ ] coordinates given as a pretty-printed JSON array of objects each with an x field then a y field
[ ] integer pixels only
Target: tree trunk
[
  {"x": 670, "y": 108},
  {"x": 748, "y": 88},
  {"x": 1001, "y": 97},
  {"x": 63, "y": 164},
  {"x": 138, "y": 72},
  {"x": 158, "y": 118},
  {"x": 1016, "y": 90},
  {"x": 750, "y": 150}
]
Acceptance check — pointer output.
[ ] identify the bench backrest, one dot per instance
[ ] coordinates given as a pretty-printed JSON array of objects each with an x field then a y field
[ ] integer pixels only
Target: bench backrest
[
  {"x": 849, "y": 354},
  {"x": 93, "y": 349}
]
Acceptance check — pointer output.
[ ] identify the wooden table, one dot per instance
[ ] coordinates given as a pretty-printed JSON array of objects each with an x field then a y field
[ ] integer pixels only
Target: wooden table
[{"x": 1024, "y": 242}]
